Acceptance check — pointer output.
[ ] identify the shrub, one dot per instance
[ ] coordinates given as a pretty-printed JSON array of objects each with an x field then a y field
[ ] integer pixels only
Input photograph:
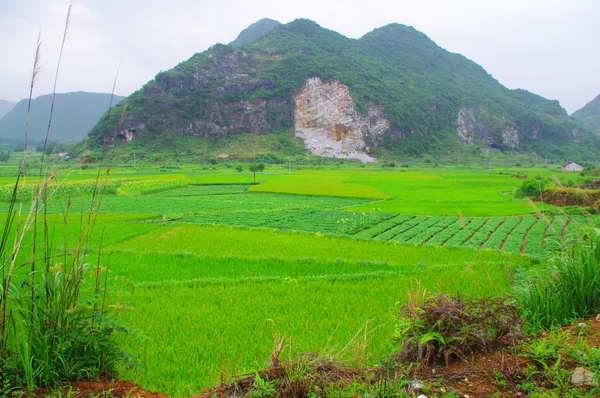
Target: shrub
[
  {"x": 446, "y": 327},
  {"x": 568, "y": 289},
  {"x": 530, "y": 188}
]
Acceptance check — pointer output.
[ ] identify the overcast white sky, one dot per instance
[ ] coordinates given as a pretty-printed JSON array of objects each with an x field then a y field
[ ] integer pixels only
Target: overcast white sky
[{"x": 550, "y": 47}]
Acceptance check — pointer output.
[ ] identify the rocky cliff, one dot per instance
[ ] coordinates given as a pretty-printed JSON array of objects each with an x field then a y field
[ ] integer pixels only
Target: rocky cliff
[
  {"x": 327, "y": 119},
  {"x": 394, "y": 87}
]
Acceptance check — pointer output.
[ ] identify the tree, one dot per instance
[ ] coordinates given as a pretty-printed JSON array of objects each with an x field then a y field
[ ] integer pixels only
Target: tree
[{"x": 259, "y": 167}]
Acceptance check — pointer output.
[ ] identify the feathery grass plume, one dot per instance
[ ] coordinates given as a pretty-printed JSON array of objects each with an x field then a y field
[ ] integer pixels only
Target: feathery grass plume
[{"x": 54, "y": 322}]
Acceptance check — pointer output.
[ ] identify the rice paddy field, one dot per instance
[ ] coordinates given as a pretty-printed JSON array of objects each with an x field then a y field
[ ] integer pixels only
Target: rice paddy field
[{"x": 211, "y": 266}]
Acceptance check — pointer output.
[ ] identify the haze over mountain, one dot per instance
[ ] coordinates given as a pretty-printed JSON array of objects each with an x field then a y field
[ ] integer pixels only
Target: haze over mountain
[
  {"x": 74, "y": 115},
  {"x": 590, "y": 114},
  {"x": 5, "y": 106},
  {"x": 393, "y": 88}
]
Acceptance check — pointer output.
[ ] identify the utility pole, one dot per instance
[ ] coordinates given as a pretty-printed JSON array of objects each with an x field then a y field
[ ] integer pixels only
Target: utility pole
[
  {"x": 254, "y": 167},
  {"x": 395, "y": 165},
  {"x": 134, "y": 160},
  {"x": 290, "y": 166}
]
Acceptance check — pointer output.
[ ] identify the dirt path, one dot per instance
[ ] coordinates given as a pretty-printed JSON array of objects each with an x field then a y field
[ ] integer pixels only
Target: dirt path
[
  {"x": 492, "y": 233},
  {"x": 508, "y": 234},
  {"x": 524, "y": 245}
]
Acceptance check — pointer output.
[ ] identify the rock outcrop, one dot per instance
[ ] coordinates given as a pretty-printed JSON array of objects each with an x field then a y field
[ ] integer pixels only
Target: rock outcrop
[
  {"x": 510, "y": 137},
  {"x": 470, "y": 127},
  {"x": 328, "y": 120}
]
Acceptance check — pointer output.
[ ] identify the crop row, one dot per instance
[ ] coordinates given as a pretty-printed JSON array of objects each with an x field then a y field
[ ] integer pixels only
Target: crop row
[
  {"x": 381, "y": 227},
  {"x": 400, "y": 228},
  {"x": 531, "y": 235},
  {"x": 333, "y": 222},
  {"x": 484, "y": 233}
]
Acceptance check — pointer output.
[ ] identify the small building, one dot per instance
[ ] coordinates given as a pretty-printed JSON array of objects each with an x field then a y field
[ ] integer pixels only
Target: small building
[
  {"x": 30, "y": 150},
  {"x": 62, "y": 155},
  {"x": 572, "y": 166}
]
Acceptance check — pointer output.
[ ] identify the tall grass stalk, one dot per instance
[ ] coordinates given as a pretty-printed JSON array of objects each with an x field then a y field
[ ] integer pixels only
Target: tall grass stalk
[{"x": 54, "y": 322}]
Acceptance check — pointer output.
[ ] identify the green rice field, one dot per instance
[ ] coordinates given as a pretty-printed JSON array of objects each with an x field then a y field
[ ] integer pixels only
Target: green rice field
[{"x": 209, "y": 267}]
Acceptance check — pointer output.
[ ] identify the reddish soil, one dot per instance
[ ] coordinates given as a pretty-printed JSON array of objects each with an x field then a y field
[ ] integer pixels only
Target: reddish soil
[
  {"x": 106, "y": 389},
  {"x": 569, "y": 197},
  {"x": 478, "y": 376},
  {"x": 484, "y": 374},
  {"x": 508, "y": 234}
]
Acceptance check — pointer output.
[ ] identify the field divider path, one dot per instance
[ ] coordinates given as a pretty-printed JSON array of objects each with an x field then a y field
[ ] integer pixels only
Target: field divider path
[
  {"x": 400, "y": 228},
  {"x": 412, "y": 225},
  {"x": 376, "y": 236},
  {"x": 368, "y": 227},
  {"x": 546, "y": 232},
  {"x": 409, "y": 234},
  {"x": 563, "y": 233},
  {"x": 438, "y": 231},
  {"x": 425, "y": 233},
  {"x": 475, "y": 231},
  {"x": 526, "y": 236},
  {"x": 441, "y": 237},
  {"x": 493, "y": 232},
  {"x": 503, "y": 244},
  {"x": 459, "y": 231}
]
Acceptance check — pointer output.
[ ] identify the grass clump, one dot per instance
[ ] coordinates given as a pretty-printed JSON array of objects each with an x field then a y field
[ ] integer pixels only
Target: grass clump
[{"x": 568, "y": 289}]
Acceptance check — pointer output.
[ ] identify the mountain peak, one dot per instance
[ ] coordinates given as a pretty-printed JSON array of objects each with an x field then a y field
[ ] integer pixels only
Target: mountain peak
[
  {"x": 590, "y": 114},
  {"x": 395, "y": 32},
  {"x": 255, "y": 31}
]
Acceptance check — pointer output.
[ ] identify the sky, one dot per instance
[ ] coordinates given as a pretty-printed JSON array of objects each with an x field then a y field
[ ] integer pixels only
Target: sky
[{"x": 549, "y": 47}]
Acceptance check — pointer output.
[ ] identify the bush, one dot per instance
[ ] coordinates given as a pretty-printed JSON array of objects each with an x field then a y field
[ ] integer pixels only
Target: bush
[
  {"x": 568, "y": 290},
  {"x": 530, "y": 188},
  {"x": 446, "y": 327}
]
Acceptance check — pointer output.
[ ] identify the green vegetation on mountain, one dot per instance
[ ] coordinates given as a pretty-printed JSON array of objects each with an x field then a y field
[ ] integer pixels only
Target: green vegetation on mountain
[
  {"x": 255, "y": 31},
  {"x": 590, "y": 114},
  {"x": 74, "y": 115},
  {"x": 422, "y": 88}
]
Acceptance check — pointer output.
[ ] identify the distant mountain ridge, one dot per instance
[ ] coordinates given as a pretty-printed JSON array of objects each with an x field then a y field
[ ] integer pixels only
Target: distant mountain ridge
[
  {"x": 74, "y": 115},
  {"x": 590, "y": 114},
  {"x": 5, "y": 107},
  {"x": 393, "y": 88}
]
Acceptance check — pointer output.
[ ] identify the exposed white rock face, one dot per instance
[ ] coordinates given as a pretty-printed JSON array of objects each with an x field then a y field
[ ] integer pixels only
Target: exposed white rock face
[
  {"x": 467, "y": 124},
  {"x": 327, "y": 119},
  {"x": 510, "y": 137}
]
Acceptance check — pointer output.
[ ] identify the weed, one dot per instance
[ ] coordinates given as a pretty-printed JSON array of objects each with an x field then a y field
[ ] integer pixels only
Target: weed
[{"x": 446, "y": 327}]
